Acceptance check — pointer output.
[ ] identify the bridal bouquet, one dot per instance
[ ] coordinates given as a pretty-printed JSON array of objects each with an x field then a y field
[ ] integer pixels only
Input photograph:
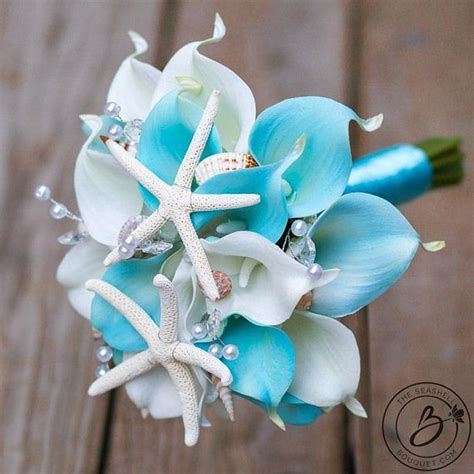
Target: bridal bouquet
[{"x": 216, "y": 251}]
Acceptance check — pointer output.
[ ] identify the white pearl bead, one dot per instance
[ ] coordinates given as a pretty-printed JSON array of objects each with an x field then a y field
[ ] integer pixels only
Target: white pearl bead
[
  {"x": 215, "y": 350},
  {"x": 111, "y": 109},
  {"x": 199, "y": 331},
  {"x": 230, "y": 352},
  {"x": 128, "y": 247},
  {"x": 42, "y": 193},
  {"x": 315, "y": 270},
  {"x": 104, "y": 353},
  {"x": 299, "y": 228},
  {"x": 115, "y": 131},
  {"x": 101, "y": 370},
  {"x": 58, "y": 211}
]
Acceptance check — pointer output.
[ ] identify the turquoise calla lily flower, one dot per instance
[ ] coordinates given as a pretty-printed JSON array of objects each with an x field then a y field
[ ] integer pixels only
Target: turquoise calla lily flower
[
  {"x": 371, "y": 243},
  {"x": 317, "y": 167},
  {"x": 165, "y": 138},
  {"x": 265, "y": 366},
  {"x": 135, "y": 279},
  {"x": 294, "y": 411},
  {"x": 320, "y": 175}
]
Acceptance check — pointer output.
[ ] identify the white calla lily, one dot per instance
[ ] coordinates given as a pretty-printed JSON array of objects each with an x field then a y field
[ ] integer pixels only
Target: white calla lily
[
  {"x": 106, "y": 194},
  {"x": 82, "y": 262},
  {"x": 200, "y": 76},
  {"x": 267, "y": 283},
  {"x": 327, "y": 361},
  {"x": 134, "y": 83}
]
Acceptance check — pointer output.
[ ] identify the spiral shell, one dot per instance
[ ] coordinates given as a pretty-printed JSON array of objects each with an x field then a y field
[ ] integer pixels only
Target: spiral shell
[
  {"x": 223, "y": 283},
  {"x": 225, "y": 394},
  {"x": 222, "y": 163},
  {"x": 305, "y": 301}
]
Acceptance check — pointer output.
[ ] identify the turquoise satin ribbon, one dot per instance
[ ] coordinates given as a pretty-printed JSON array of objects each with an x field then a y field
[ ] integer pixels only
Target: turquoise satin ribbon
[{"x": 398, "y": 174}]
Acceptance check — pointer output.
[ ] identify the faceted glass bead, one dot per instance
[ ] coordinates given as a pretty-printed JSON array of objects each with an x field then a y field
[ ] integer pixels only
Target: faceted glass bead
[
  {"x": 72, "y": 237},
  {"x": 133, "y": 130}
]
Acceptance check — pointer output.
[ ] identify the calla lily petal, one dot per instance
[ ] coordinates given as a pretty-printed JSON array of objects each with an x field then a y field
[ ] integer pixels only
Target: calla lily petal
[
  {"x": 135, "y": 279},
  {"x": 372, "y": 244},
  {"x": 166, "y": 136},
  {"x": 237, "y": 105},
  {"x": 271, "y": 290},
  {"x": 106, "y": 195},
  {"x": 82, "y": 262},
  {"x": 270, "y": 216},
  {"x": 294, "y": 411},
  {"x": 155, "y": 393},
  {"x": 134, "y": 83},
  {"x": 327, "y": 359},
  {"x": 265, "y": 366},
  {"x": 320, "y": 176}
]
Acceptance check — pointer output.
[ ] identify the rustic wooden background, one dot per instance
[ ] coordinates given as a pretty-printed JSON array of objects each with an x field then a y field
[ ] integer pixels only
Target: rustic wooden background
[{"x": 412, "y": 60}]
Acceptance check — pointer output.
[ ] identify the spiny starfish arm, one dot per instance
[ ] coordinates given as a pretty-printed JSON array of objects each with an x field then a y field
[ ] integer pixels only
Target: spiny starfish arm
[
  {"x": 147, "y": 229},
  {"x": 215, "y": 202},
  {"x": 185, "y": 174},
  {"x": 134, "y": 314},
  {"x": 136, "y": 169},
  {"x": 169, "y": 309},
  {"x": 196, "y": 254},
  {"x": 183, "y": 379},
  {"x": 192, "y": 355},
  {"x": 127, "y": 370}
]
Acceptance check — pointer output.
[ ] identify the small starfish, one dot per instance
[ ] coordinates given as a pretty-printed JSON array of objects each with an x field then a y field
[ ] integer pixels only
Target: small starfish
[
  {"x": 163, "y": 348},
  {"x": 177, "y": 201}
]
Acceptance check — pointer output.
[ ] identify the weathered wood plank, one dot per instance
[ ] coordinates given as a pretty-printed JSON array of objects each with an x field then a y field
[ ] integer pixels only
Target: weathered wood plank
[
  {"x": 281, "y": 49},
  {"x": 57, "y": 61},
  {"x": 417, "y": 68}
]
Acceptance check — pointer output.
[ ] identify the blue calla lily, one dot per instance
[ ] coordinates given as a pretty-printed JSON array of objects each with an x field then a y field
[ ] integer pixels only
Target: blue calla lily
[
  {"x": 294, "y": 411},
  {"x": 135, "y": 279},
  {"x": 320, "y": 175},
  {"x": 371, "y": 243},
  {"x": 270, "y": 216},
  {"x": 165, "y": 138},
  {"x": 265, "y": 367}
]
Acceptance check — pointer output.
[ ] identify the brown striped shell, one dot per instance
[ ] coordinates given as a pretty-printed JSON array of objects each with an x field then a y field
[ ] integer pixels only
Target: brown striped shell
[{"x": 222, "y": 163}]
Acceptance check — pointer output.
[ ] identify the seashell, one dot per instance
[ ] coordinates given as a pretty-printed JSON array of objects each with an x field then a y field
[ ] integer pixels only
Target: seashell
[
  {"x": 129, "y": 226},
  {"x": 223, "y": 283},
  {"x": 305, "y": 302},
  {"x": 222, "y": 163},
  {"x": 225, "y": 394}
]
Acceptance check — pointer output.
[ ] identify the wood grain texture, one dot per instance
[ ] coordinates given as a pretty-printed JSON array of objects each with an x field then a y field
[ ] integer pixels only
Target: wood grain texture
[
  {"x": 417, "y": 68},
  {"x": 57, "y": 61}
]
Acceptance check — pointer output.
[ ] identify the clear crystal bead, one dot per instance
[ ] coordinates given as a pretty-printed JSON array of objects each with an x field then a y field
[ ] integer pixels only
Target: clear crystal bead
[
  {"x": 155, "y": 247},
  {"x": 72, "y": 237},
  {"x": 213, "y": 324},
  {"x": 133, "y": 130},
  {"x": 308, "y": 252}
]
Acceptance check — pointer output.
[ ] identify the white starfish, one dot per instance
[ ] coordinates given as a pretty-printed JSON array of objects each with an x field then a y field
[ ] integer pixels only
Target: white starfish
[
  {"x": 163, "y": 348},
  {"x": 177, "y": 201}
]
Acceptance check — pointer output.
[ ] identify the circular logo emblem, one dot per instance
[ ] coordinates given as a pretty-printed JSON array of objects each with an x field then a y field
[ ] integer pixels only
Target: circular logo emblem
[{"x": 426, "y": 426}]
